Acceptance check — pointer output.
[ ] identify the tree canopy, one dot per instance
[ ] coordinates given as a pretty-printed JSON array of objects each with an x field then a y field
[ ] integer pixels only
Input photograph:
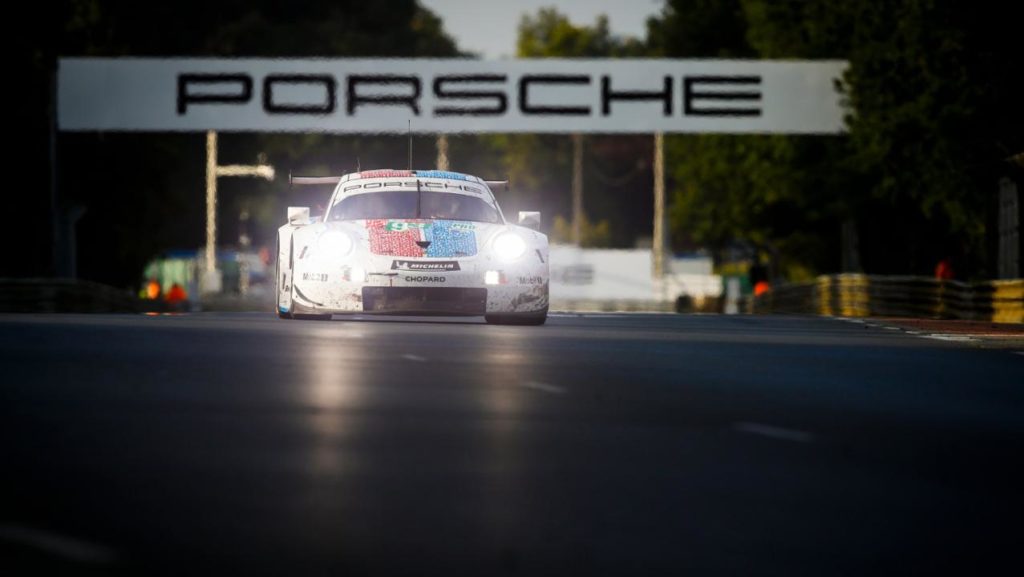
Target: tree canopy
[
  {"x": 933, "y": 108},
  {"x": 155, "y": 201},
  {"x": 932, "y": 90}
]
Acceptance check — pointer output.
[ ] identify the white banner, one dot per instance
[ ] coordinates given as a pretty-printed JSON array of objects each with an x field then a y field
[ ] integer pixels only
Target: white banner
[{"x": 449, "y": 95}]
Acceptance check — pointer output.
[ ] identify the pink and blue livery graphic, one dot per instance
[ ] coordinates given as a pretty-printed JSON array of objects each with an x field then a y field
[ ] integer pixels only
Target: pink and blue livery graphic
[{"x": 448, "y": 239}]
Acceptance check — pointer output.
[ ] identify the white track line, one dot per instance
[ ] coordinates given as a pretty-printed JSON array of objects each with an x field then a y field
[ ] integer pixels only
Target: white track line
[
  {"x": 992, "y": 335},
  {"x": 59, "y": 545},
  {"x": 774, "y": 432},
  {"x": 950, "y": 338},
  {"x": 415, "y": 358},
  {"x": 544, "y": 388}
]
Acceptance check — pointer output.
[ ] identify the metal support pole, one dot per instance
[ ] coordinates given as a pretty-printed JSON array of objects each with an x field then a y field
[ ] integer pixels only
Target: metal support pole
[
  {"x": 658, "y": 242},
  {"x": 442, "y": 152},
  {"x": 211, "y": 279},
  {"x": 577, "y": 189},
  {"x": 211, "y": 202},
  {"x": 244, "y": 241}
]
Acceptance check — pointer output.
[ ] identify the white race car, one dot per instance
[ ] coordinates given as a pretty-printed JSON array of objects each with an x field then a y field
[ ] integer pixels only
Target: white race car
[{"x": 423, "y": 242}]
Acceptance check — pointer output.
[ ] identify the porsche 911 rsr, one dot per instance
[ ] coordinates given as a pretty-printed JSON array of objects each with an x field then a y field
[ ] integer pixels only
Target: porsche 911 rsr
[{"x": 422, "y": 242}]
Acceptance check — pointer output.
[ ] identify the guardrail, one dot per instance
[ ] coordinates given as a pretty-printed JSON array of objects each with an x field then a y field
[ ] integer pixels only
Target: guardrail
[
  {"x": 610, "y": 306},
  {"x": 858, "y": 295},
  {"x": 682, "y": 304},
  {"x": 30, "y": 295}
]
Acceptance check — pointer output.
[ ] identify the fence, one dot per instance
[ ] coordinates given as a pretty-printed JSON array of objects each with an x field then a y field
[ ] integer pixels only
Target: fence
[
  {"x": 857, "y": 295},
  {"x": 49, "y": 295}
]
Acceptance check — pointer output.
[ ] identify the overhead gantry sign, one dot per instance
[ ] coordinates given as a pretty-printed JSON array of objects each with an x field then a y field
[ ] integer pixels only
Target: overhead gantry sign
[
  {"x": 442, "y": 96},
  {"x": 450, "y": 96}
]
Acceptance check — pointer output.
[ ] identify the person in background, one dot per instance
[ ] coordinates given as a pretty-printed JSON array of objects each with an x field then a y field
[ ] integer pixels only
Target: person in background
[
  {"x": 759, "y": 278},
  {"x": 944, "y": 270},
  {"x": 152, "y": 289},
  {"x": 176, "y": 295}
]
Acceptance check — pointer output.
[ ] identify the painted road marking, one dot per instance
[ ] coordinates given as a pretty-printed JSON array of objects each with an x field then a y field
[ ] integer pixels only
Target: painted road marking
[
  {"x": 774, "y": 432},
  {"x": 415, "y": 358},
  {"x": 59, "y": 545},
  {"x": 951, "y": 338},
  {"x": 948, "y": 337},
  {"x": 992, "y": 336},
  {"x": 544, "y": 388}
]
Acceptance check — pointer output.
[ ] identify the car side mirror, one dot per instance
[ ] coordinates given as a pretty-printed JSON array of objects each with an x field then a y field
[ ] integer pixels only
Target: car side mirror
[
  {"x": 529, "y": 219},
  {"x": 298, "y": 215}
]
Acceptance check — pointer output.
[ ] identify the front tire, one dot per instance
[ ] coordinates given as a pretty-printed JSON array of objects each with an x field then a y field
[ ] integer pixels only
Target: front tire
[
  {"x": 290, "y": 314},
  {"x": 278, "y": 281}
]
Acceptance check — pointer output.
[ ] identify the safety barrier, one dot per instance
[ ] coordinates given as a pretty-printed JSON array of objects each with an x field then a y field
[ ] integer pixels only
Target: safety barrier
[
  {"x": 858, "y": 295},
  {"x": 18, "y": 295},
  {"x": 609, "y": 306}
]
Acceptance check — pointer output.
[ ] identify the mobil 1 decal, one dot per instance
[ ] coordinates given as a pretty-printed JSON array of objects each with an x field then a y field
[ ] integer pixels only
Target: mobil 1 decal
[{"x": 422, "y": 239}]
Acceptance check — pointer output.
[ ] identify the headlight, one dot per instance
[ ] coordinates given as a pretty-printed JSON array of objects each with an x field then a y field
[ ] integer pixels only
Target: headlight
[
  {"x": 333, "y": 243},
  {"x": 509, "y": 246}
]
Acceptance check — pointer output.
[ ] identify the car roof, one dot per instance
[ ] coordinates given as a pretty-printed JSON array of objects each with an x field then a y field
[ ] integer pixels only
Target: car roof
[
  {"x": 392, "y": 173},
  {"x": 472, "y": 185}
]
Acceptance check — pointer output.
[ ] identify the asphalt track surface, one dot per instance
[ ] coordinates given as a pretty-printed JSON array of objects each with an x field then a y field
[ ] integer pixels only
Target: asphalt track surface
[{"x": 240, "y": 444}]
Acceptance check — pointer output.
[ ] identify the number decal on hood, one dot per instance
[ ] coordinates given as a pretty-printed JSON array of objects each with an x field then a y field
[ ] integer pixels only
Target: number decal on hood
[
  {"x": 398, "y": 238},
  {"x": 448, "y": 239}
]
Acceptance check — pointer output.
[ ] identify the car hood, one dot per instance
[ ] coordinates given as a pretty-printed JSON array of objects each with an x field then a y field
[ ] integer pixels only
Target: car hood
[{"x": 424, "y": 238}]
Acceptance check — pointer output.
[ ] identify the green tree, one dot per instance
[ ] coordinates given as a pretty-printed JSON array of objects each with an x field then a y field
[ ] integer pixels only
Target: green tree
[
  {"x": 155, "y": 201},
  {"x": 550, "y": 34},
  {"x": 933, "y": 108},
  {"x": 593, "y": 234},
  {"x": 542, "y": 164},
  {"x": 779, "y": 195},
  {"x": 699, "y": 29},
  {"x": 937, "y": 104}
]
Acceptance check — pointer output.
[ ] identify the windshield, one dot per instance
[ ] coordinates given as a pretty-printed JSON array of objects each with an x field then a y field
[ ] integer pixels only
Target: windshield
[{"x": 396, "y": 204}]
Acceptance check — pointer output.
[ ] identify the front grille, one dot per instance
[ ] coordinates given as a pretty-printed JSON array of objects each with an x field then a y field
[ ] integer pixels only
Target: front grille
[{"x": 425, "y": 300}]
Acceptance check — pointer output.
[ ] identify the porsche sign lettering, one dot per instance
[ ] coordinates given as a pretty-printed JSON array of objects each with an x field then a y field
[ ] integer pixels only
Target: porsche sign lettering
[{"x": 456, "y": 95}]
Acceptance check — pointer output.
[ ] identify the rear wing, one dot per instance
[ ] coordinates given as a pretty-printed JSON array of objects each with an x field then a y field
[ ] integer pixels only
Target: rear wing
[
  {"x": 308, "y": 181},
  {"x": 313, "y": 180},
  {"x": 320, "y": 180}
]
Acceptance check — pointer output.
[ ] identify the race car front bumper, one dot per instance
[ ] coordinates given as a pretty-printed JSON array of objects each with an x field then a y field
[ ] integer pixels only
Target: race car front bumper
[
  {"x": 425, "y": 300},
  {"x": 509, "y": 290}
]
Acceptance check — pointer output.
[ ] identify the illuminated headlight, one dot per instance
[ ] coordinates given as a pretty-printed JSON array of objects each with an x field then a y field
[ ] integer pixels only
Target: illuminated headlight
[
  {"x": 509, "y": 246},
  {"x": 333, "y": 243},
  {"x": 356, "y": 274},
  {"x": 492, "y": 277}
]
